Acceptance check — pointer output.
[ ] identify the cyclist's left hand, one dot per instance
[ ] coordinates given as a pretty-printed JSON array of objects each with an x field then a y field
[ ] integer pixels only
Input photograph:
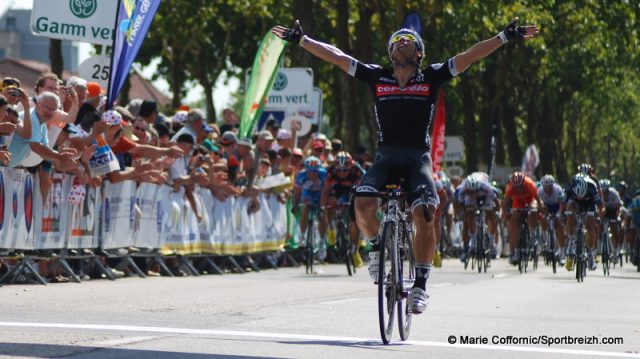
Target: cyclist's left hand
[
  {"x": 291, "y": 35},
  {"x": 513, "y": 31}
]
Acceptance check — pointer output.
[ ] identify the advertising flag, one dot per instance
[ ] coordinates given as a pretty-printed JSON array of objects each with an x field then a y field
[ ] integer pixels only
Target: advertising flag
[
  {"x": 530, "y": 161},
  {"x": 437, "y": 147},
  {"x": 263, "y": 73},
  {"x": 133, "y": 20},
  {"x": 413, "y": 21}
]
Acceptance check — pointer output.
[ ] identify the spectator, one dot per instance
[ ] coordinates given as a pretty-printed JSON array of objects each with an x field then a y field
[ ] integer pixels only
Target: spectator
[
  {"x": 263, "y": 144},
  {"x": 180, "y": 175},
  {"x": 149, "y": 112},
  {"x": 272, "y": 126},
  {"x": 229, "y": 117},
  {"x": 91, "y": 104},
  {"x": 9, "y": 84},
  {"x": 193, "y": 124},
  {"x": 80, "y": 85}
]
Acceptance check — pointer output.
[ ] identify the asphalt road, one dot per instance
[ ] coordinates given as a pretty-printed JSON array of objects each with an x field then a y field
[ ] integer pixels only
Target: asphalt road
[{"x": 286, "y": 314}]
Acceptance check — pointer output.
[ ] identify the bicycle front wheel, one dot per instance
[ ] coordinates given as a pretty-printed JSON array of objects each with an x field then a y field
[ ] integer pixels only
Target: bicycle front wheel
[
  {"x": 407, "y": 275},
  {"x": 310, "y": 245},
  {"x": 387, "y": 273},
  {"x": 345, "y": 246}
]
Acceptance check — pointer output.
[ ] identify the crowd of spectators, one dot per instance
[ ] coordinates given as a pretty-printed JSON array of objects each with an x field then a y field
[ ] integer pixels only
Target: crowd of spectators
[{"x": 61, "y": 127}]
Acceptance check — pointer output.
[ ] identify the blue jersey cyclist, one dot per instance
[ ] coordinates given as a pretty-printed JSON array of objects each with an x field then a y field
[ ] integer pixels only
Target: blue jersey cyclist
[
  {"x": 404, "y": 95},
  {"x": 307, "y": 191}
]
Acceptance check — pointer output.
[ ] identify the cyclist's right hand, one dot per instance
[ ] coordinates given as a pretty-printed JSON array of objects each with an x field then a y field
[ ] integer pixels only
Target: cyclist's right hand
[{"x": 289, "y": 34}]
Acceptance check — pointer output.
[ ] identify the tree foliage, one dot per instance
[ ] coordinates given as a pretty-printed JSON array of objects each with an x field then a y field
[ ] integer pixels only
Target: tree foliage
[{"x": 572, "y": 91}]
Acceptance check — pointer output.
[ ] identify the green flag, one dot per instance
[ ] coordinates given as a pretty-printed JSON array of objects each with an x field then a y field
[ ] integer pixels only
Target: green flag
[{"x": 263, "y": 73}]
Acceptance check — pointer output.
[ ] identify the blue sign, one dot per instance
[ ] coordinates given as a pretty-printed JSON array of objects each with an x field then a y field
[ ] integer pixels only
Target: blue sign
[{"x": 267, "y": 115}]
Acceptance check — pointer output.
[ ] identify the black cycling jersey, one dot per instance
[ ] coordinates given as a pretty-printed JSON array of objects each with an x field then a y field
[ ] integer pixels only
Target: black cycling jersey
[
  {"x": 591, "y": 198},
  {"x": 404, "y": 114}
]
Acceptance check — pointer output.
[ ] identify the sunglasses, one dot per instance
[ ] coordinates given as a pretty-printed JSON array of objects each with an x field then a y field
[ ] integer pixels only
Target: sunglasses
[
  {"x": 408, "y": 37},
  {"x": 137, "y": 128}
]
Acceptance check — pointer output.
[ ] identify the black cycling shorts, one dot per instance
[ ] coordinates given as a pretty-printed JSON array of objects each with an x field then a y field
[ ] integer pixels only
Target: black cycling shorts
[{"x": 410, "y": 163}]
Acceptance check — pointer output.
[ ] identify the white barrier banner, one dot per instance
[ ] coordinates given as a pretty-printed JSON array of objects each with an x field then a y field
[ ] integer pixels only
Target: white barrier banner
[
  {"x": 84, "y": 219},
  {"x": 278, "y": 225},
  {"x": 224, "y": 222},
  {"x": 208, "y": 242},
  {"x": 149, "y": 226},
  {"x": 50, "y": 214},
  {"x": 6, "y": 193},
  {"x": 118, "y": 214},
  {"x": 180, "y": 232},
  {"x": 19, "y": 203}
]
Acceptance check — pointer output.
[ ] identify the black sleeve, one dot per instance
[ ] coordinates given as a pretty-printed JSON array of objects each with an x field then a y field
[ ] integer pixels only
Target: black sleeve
[
  {"x": 441, "y": 72},
  {"x": 368, "y": 73}
]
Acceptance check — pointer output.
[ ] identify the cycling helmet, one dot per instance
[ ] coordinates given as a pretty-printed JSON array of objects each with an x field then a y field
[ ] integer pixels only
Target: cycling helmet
[
  {"x": 622, "y": 184},
  {"x": 516, "y": 179},
  {"x": 579, "y": 186},
  {"x": 605, "y": 184},
  {"x": 548, "y": 181},
  {"x": 409, "y": 35},
  {"x": 343, "y": 160},
  {"x": 312, "y": 163},
  {"x": 472, "y": 183},
  {"x": 585, "y": 168}
]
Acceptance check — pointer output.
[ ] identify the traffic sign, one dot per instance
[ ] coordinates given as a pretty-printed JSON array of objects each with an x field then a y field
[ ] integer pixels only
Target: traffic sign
[
  {"x": 454, "y": 171},
  {"x": 453, "y": 149}
]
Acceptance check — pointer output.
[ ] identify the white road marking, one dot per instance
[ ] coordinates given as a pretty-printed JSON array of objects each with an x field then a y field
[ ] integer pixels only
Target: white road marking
[
  {"x": 123, "y": 341},
  {"x": 500, "y": 275},
  {"x": 340, "y": 301},
  {"x": 231, "y": 333},
  {"x": 445, "y": 284}
]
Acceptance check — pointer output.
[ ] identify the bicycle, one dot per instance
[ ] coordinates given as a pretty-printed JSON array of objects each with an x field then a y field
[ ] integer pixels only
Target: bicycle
[
  {"x": 534, "y": 245},
  {"x": 581, "y": 256},
  {"x": 481, "y": 256},
  {"x": 395, "y": 277},
  {"x": 525, "y": 239},
  {"x": 343, "y": 242},
  {"x": 606, "y": 247},
  {"x": 313, "y": 235},
  {"x": 551, "y": 243}
]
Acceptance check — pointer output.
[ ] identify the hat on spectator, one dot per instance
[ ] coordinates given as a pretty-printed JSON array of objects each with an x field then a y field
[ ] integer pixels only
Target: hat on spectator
[
  {"x": 180, "y": 117},
  {"x": 195, "y": 115},
  {"x": 283, "y": 134},
  {"x": 111, "y": 118},
  {"x": 265, "y": 135},
  {"x": 184, "y": 108},
  {"x": 147, "y": 108},
  {"x": 265, "y": 160},
  {"x": 229, "y": 138},
  {"x": 297, "y": 152},
  {"x": 318, "y": 144},
  {"x": 94, "y": 89},
  {"x": 77, "y": 81},
  {"x": 206, "y": 128},
  {"x": 210, "y": 146},
  {"x": 245, "y": 142}
]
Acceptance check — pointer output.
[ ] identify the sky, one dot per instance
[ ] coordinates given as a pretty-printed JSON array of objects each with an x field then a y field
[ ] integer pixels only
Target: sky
[{"x": 221, "y": 93}]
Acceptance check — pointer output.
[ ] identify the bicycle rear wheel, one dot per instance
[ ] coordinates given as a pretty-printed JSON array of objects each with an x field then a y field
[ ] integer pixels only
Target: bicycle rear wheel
[
  {"x": 524, "y": 249},
  {"x": 387, "y": 292},
  {"x": 580, "y": 262},
  {"x": 310, "y": 244},
  {"x": 407, "y": 273},
  {"x": 345, "y": 246},
  {"x": 606, "y": 252},
  {"x": 552, "y": 249}
]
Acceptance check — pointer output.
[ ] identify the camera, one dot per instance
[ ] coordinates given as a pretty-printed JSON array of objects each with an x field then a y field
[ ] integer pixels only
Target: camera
[{"x": 14, "y": 92}]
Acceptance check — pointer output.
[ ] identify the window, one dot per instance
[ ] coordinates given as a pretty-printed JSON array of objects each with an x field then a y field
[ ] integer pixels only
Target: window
[{"x": 11, "y": 23}]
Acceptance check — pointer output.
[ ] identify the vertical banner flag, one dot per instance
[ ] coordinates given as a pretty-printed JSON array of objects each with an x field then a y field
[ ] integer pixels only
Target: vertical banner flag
[
  {"x": 133, "y": 20},
  {"x": 492, "y": 159},
  {"x": 530, "y": 161},
  {"x": 437, "y": 138},
  {"x": 413, "y": 21},
  {"x": 263, "y": 73}
]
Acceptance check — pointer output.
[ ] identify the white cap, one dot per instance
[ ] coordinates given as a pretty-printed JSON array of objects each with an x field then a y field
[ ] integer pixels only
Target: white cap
[{"x": 76, "y": 81}]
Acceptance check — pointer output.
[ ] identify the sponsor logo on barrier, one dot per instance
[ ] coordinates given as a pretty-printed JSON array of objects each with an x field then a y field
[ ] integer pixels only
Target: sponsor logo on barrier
[
  {"x": 14, "y": 203},
  {"x": 1, "y": 201},
  {"x": 28, "y": 203},
  {"x": 84, "y": 216},
  {"x": 100, "y": 160}
]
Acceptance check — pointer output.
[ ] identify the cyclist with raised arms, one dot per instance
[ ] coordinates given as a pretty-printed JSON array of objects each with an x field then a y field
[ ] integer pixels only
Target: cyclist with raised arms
[
  {"x": 405, "y": 95},
  {"x": 552, "y": 196}
]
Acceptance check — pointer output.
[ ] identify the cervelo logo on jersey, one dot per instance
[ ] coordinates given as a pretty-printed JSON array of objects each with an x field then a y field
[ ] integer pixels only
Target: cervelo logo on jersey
[{"x": 416, "y": 89}]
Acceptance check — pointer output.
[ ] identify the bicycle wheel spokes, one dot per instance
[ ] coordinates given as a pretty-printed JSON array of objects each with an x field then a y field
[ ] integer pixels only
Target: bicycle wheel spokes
[
  {"x": 407, "y": 273},
  {"x": 387, "y": 292}
]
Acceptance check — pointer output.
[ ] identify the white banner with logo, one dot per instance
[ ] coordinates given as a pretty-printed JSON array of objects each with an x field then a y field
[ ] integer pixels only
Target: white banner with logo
[
  {"x": 17, "y": 229},
  {"x": 51, "y": 214},
  {"x": 148, "y": 224},
  {"x": 77, "y": 20},
  {"x": 84, "y": 219},
  {"x": 181, "y": 232},
  {"x": 118, "y": 214}
]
